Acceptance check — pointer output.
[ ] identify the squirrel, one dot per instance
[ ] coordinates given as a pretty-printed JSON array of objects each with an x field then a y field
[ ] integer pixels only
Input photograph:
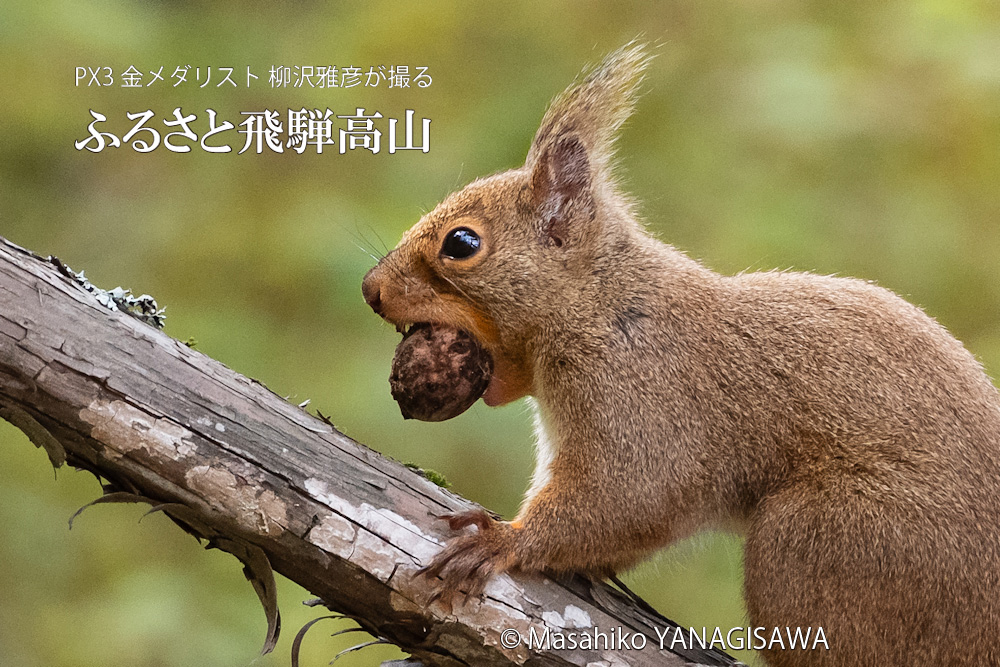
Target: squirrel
[{"x": 850, "y": 437}]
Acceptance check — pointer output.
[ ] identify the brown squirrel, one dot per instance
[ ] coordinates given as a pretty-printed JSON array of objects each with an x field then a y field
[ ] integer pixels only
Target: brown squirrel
[{"x": 850, "y": 436}]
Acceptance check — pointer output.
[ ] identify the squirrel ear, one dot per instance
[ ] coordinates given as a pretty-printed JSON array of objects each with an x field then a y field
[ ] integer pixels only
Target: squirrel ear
[
  {"x": 561, "y": 188},
  {"x": 570, "y": 157},
  {"x": 594, "y": 108}
]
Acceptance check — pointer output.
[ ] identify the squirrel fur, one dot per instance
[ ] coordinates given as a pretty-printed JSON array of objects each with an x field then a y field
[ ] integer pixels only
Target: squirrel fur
[{"x": 849, "y": 435}]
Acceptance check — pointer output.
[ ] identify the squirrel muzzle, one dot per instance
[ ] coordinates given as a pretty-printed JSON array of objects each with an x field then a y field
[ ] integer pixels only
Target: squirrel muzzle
[{"x": 404, "y": 302}]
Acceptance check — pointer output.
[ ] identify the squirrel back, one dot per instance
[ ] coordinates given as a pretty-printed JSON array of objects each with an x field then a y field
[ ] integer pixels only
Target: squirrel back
[{"x": 855, "y": 440}]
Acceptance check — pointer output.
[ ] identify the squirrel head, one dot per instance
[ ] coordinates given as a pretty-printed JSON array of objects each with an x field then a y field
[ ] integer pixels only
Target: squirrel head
[{"x": 506, "y": 254}]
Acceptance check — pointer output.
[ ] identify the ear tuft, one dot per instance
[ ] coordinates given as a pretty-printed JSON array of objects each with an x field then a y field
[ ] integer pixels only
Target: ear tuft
[
  {"x": 570, "y": 157},
  {"x": 595, "y": 107}
]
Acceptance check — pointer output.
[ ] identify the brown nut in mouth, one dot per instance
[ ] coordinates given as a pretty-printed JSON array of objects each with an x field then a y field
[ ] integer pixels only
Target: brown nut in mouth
[{"x": 438, "y": 372}]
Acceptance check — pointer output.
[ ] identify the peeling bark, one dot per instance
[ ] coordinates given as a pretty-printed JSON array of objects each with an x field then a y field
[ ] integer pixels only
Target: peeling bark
[{"x": 237, "y": 465}]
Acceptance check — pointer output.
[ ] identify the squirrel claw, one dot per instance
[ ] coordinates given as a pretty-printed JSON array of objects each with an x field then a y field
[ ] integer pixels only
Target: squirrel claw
[{"x": 468, "y": 561}]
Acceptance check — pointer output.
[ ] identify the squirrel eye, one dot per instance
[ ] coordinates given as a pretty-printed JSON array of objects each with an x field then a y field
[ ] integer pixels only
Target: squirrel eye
[{"x": 460, "y": 243}]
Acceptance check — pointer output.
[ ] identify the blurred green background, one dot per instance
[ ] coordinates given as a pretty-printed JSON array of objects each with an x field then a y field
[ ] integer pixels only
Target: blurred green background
[{"x": 855, "y": 138}]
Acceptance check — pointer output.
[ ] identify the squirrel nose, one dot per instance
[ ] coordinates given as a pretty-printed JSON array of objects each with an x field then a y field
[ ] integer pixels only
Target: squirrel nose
[{"x": 372, "y": 292}]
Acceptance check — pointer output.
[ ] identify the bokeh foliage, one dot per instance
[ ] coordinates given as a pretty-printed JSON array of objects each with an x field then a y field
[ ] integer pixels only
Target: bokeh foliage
[{"x": 855, "y": 138}]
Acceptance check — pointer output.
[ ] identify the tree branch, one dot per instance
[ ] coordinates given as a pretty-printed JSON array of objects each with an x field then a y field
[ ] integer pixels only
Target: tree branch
[{"x": 237, "y": 465}]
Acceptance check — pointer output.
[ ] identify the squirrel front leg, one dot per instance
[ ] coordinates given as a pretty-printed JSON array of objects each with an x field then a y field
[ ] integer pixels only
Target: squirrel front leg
[{"x": 559, "y": 530}]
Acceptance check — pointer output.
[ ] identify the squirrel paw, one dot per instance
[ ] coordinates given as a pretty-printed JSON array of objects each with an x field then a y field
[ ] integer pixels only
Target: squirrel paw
[{"x": 468, "y": 561}]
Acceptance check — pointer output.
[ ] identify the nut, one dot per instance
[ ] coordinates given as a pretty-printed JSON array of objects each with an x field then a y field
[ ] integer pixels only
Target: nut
[{"x": 438, "y": 372}]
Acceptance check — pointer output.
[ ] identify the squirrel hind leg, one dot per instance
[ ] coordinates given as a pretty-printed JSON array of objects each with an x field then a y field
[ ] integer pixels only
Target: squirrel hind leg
[{"x": 881, "y": 576}]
